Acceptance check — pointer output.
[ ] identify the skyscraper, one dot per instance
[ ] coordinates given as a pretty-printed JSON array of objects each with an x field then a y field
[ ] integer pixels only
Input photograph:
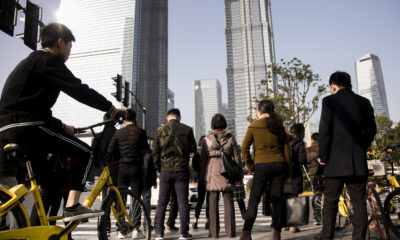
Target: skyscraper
[
  {"x": 171, "y": 99},
  {"x": 250, "y": 49},
  {"x": 128, "y": 37},
  {"x": 207, "y": 102},
  {"x": 370, "y": 82}
]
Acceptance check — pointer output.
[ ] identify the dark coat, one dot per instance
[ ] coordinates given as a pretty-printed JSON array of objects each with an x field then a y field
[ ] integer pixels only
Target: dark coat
[
  {"x": 347, "y": 128},
  {"x": 298, "y": 158}
]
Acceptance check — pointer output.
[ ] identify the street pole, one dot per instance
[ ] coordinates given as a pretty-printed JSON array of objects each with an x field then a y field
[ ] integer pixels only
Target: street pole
[{"x": 144, "y": 118}]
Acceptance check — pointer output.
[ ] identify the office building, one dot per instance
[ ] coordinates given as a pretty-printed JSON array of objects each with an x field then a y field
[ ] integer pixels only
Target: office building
[
  {"x": 171, "y": 99},
  {"x": 370, "y": 83},
  {"x": 250, "y": 51},
  {"x": 126, "y": 37},
  {"x": 207, "y": 102}
]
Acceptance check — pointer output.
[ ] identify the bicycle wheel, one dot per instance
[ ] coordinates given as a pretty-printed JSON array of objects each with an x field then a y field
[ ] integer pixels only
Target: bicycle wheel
[
  {"x": 114, "y": 224},
  {"x": 375, "y": 218},
  {"x": 392, "y": 211},
  {"x": 317, "y": 203},
  {"x": 13, "y": 219}
]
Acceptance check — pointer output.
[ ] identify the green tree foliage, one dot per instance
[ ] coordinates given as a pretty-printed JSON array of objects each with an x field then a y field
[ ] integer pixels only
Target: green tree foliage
[
  {"x": 298, "y": 91},
  {"x": 386, "y": 135}
]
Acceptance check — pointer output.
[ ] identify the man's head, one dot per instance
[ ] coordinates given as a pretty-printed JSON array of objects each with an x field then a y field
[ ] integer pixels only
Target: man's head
[
  {"x": 339, "y": 80},
  {"x": 314, "y": 137},
  {"x": 130, "y": 116},
  {"x": 173, "y": 114},
  {"x": 57, "y": 39}
]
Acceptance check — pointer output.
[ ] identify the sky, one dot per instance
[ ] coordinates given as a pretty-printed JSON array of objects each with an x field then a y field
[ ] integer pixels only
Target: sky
[{"x": 328, "y": 35}]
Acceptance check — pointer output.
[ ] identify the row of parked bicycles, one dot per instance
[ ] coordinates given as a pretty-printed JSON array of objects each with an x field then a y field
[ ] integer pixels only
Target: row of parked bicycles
[{"x": 383, "y": 202}]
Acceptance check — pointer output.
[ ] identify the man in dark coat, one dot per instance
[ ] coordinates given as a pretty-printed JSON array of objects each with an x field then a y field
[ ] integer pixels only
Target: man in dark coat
[{"x": 347, "y": 128}]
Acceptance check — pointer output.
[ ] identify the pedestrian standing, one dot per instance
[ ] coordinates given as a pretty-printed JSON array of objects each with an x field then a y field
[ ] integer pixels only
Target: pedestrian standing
[
  {"x": 219, "y": 140},
  {"x": 173, "y": 143},
  {"x": 199, "y": 167},
  {"x": 347, "y": 128},
  {"x": 270, "y": 166},
  {"x": 298, "y": 158},
  {"x": 128, "y": 145}
]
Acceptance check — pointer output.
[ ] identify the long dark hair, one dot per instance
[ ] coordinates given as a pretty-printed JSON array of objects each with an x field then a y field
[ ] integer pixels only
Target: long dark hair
[{"x": 274, "y": 122}]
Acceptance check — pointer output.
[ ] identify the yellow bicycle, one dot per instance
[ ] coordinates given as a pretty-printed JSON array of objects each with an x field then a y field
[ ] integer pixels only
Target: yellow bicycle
[{"x": 14, "y": 219}]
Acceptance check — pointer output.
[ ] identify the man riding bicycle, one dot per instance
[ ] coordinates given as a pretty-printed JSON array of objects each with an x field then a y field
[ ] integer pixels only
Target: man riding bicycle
[{"x": 26, "y": 118}]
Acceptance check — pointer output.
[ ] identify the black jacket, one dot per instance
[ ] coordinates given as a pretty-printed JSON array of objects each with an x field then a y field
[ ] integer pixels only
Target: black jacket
[
  {"x": 298, "y": 158},
  {"x": 128, "y": 145},
  {"x": 33, "y": 87},
  {"x": 172, "y": 145},
  {"x": 347, "y": 128}
]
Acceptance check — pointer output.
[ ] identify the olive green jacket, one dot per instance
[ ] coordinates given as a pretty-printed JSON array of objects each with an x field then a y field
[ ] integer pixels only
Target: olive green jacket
[{"x": 172, "y": 145}]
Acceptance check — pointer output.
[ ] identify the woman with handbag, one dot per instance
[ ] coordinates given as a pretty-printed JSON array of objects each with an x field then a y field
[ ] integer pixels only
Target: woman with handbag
[
  {"x": 270, "y": 165},
  {"x": 220, "y": 143},
  {"x": 298, "y": 158}
]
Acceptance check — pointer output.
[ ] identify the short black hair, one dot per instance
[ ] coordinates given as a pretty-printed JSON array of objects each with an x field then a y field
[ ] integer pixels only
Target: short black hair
[
  {"x": 175, "y": 112},
  {"x": 314, "y": 136},
  {"x": 297, "y": 130},
  {"x": 130, "y": 115},
  {"x": 218, "y": 122},
  {"x": 201, "y": 140},
  {"x": 341, "y": 79},
  {"x": 52, "y": 32}
]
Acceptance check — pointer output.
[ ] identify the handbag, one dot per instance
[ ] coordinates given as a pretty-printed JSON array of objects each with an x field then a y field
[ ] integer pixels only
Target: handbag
[
  {"x": 229, "y": 168},
  {"x": 297, "y": 211}
]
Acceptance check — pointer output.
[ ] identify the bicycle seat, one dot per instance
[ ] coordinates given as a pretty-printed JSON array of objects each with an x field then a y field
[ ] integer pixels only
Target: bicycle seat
[{"x": 15, "y": 151}]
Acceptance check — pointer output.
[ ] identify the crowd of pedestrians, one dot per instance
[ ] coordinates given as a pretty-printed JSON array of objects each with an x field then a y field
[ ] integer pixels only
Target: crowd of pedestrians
[{"x": 274, "y": 155}]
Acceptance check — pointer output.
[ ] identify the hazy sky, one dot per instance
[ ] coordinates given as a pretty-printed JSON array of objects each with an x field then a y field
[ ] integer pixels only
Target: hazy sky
[{"x": 328, "y": 35}]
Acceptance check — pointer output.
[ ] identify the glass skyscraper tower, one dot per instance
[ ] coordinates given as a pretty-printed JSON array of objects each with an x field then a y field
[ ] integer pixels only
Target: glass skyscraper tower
[
  {"x": 250, "y": 49},
  {"x": 128, "y": 37},
  {"x": 207, "y": 102},
  {"x": 370, "y": 83}
]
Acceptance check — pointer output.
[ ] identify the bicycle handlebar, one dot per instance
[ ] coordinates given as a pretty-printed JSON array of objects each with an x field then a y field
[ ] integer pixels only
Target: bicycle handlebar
[{"x": 84, "y": 129}]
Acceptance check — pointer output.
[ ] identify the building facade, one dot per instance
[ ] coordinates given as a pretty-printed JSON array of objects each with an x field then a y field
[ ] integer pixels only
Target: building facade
[
  {"x": 370, "y": 82},
  {"x": 171, "y": 99},
  {"x": 126, "y": 37},
  {"x": 250, "y": 51},
  {"x": 207, "y": 102}
]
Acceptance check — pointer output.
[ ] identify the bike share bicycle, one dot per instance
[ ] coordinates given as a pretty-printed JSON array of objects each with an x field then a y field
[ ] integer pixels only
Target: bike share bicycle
[{"x": 114, "y": 206}]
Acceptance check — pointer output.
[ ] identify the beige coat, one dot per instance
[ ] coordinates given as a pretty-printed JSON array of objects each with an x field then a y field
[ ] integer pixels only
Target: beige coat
[{"x": 211, "y": 153}]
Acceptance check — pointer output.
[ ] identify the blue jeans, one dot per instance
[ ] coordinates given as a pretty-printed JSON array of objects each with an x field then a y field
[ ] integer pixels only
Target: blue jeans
[{"x": 180, "y": 182}]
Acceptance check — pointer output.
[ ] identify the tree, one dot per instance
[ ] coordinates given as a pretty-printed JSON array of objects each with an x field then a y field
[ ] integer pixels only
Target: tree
[
  {"x": 298, "y": 91},
  {"x": 384, "y": 132}
]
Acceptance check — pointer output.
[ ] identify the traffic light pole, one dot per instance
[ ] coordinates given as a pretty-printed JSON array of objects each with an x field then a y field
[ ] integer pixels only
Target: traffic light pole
[{"x": 144, "y": 109}]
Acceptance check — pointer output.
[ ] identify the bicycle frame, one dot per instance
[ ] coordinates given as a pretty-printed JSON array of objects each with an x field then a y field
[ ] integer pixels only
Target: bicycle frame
[{"x": 45, "y": 231}]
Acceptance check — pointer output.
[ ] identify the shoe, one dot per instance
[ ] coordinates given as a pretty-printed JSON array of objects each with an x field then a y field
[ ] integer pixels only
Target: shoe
[
  {"x": 121, "y": 236},
  {"x": 317, "y": 223},
  {"x": 206, "y": 226},
  {"x": 194, "y": 225},
  {"x": 246, "y": 235},
  {"x": 80, "y": 212},
  {"x": 185, "y": 236},
  {"x": 159, "y": 237},
  {"x": 172, "y": 229},
  {"x": 137, "y": 233},
  {"x": 276, "y": 235},
  {"x": 294, "y": 229}
]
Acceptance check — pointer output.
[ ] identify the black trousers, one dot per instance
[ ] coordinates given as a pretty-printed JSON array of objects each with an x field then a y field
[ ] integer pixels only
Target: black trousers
[
  {"x": 356, "y": 185},
  {"x": 203, "y": 195},
  {"x": 173, "y": 210},
  {"x": 264, "y": 174}
]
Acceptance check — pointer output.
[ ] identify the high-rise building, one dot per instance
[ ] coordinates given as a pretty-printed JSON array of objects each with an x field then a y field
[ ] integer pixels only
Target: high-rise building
[
  {"x": 250, "y": 51},
  {"x": 126, "y": 37},
  {"x": 207, "y": 102},
  {"x": 171, "y": 99},
  {"x": 370, "y": 82}
]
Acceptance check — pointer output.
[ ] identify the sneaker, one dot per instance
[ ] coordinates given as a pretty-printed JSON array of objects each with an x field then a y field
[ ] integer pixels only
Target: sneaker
[
  {"x": 121, "y": 235},
  {"x": 80, "y": 212},
  {"x": 294, "y": 229},
  {"x": 194, "y": 225},
  {"x": 185, "y": 236},
  {"x": 159, "y": 237},
  {"x": 137, "y": 233}
]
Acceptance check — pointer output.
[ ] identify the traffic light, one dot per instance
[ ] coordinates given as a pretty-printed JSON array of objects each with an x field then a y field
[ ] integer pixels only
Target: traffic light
[
  {"x": 118, "y": 85},
  {"x": 127, "y": 94},
  {"x": 32, "y": 18},
  {"x": 8, "y": 16}
]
